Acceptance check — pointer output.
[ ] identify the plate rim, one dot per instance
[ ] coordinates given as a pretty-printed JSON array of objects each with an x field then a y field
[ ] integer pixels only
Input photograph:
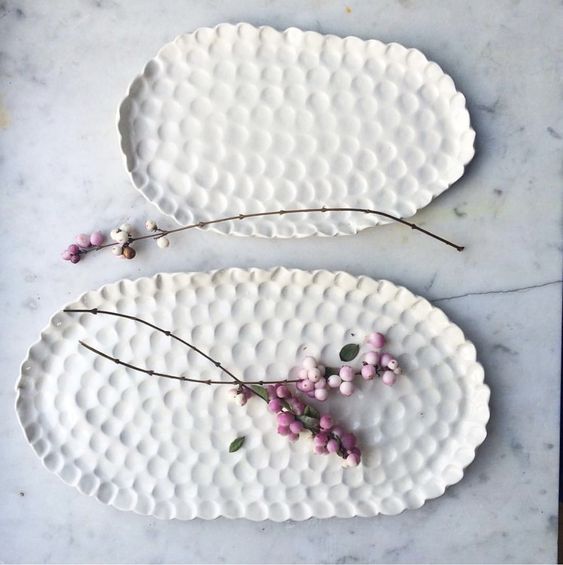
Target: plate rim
[{"x": 119, "y": 121}]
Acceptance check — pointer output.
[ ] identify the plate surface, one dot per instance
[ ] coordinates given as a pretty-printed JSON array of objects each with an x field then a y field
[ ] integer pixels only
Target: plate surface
[
  {"x": 160, "y": 447},
  {"x": 239, "y": 119}
]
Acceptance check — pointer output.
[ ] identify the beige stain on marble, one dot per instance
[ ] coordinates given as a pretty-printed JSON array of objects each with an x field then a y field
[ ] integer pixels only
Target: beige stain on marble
[{"x": 4, "y": 116}]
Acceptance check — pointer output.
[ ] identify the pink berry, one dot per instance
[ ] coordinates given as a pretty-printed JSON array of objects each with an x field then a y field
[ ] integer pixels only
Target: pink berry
[
  {"x": 389, "y": 378},
  {"x": 285, "y": 418},
  {"x": 309, "y": 363},
  {"x": 283, "y": 430},
  {"x": 371, "y": 358},
  {"x": 348, "y": 440},
  {"x": 313, "y": 375},
  {"x": 368, "y": 372},
  {"x": 274, "y": 405},
  {"x": 96, "y": 238},
  {"x": 337, "y": 431},
  {"x": 332, "y": 446},
  {"x": 376, "y": 339},
  {"x": 321, "y": 383},
  {"x": 296, "y": 427},
  {"x": 74, "y": 258},
  {"x": 73, "y": 249},
  {"x": 346, "y": 373},
  {"x": 305, "y": 386},
  {"x": 83, "y": 240},
  {"x": 320, "y": 449},
  {"x": 293, "y": 437},
  {"x": 347, "y": 388},
  {"x": 393, "y": 364},
  {"x": 385, "y": 358},
  {"x": 66, "y": 255},
  {"x": 302, "y": 374},
  {"x": 353, "y": 460},
  {"x": 321, "y": 394},
  {"x": 325, "y": 422},
  {"x": 311, "y": 393},
  {"x": 320, "y": 439},
  {"x": 271, "y": 391},
  {"x": 282, "y": 392},
  {"x": 334, "y": 381}
]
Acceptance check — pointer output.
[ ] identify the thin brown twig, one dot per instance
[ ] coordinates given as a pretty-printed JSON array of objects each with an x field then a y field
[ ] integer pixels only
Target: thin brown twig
[
  {"x": 154, "y": 373},
  {"x": 96, "y": 311},
  {"x": 324, "y": 209}
]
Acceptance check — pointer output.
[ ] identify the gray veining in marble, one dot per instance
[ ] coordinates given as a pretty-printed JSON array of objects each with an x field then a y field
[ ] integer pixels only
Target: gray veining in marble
[{"x": 64, "y": 67}]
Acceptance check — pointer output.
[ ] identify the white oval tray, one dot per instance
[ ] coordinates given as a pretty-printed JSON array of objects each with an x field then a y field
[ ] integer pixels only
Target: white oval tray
[
  {"x": 160, "y": 447},
  {"x": 239, "y": 119}
]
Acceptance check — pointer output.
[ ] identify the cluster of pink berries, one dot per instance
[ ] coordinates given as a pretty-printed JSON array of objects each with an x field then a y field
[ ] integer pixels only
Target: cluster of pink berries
[
  {"x": 82, "y": 241},
  {"x": 122, "y": 236},
  {"x": 295, "y": 417},
  {"x": 312, "y": 380},
  {"x": 376, "y": 363}
]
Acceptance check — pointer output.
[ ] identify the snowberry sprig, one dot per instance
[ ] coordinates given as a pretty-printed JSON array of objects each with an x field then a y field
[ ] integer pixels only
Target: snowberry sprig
[
  {"x": 83, "y": 242},
  {"x": 315, "y": 380},
  {"x": 294, "y": 417},
  {"x": 124, "y": 237}
]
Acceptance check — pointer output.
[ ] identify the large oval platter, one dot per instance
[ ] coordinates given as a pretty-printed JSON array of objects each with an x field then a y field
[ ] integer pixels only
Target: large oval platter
[
  {"x": 239, "y": 119},
  {"x": 161, "y": 447}
]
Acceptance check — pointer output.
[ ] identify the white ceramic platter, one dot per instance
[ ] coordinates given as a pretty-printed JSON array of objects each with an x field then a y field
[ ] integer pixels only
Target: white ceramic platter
[
  {"x": 239, "y": 119},
  {"x": 160, "y": 447}
]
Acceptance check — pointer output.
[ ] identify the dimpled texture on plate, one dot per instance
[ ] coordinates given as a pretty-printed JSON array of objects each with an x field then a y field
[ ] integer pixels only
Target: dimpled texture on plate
[
  {"x": 160, "y": 447},
  {"x": 239, "y": 119}
]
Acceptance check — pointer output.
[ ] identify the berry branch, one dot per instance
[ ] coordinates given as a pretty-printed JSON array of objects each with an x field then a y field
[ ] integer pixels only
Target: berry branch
[
  {"x": 173, "y": 336},
  {"x": 293, "y": 415},
  {"x": 153, "y": 373},
  {"x": 123, "y": 237}
]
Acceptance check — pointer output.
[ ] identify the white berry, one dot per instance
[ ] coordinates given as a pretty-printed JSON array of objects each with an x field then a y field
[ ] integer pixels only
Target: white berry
[
  {"x": 314, "y": 375},
  {"x": 121, "y": 236},
  {"x": 389, "y": 378},
  {"x": 347, "y": 388},
  {"x": 113, "y": 234},
  {"x": 150, "y": 225},
  {"x": 334, "y": 381},
  {"x": 309, "y": 363},
  {"x": 393, "y": 364},
  {"x": 125, "y": 227},
  {"x": 117, "y": 250},
  {"x": 163, "y": 242}
]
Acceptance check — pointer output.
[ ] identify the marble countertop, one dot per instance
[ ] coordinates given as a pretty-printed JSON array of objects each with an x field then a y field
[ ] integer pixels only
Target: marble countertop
[{"x": 65, "y": 66}]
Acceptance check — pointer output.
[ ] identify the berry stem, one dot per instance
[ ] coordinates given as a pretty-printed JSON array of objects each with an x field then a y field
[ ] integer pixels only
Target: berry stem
[
  {"x": 324, "y": 209},
  {"x": 151, "y": 372},
  {"x": 191, "y": 346}
]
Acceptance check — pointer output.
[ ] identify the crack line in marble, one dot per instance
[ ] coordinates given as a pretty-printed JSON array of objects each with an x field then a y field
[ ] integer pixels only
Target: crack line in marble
[{"x": 507, "y": 291}]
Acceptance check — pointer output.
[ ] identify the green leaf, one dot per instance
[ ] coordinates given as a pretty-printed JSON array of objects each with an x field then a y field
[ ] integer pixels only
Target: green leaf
[
  {"x": 311, "y": 411},
  {"x": 236, "y": 444},
  {"x": 260, "y": 391},
  {"x": 331, "y": 371},
  {"x": 309, "y": 422},
  {"x": 286, "y": 405},
  {"x": 349, "y": 351}
]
